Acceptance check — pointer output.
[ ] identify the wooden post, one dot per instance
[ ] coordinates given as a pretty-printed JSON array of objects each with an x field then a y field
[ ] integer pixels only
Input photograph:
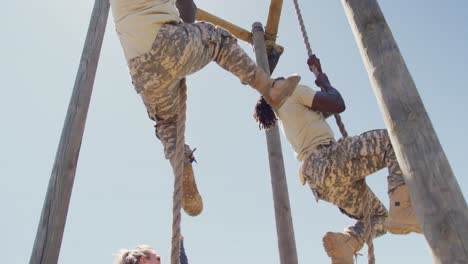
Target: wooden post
[
  {"x": 437, "y": 198},
  {"x": 273, "y": 20},
  {"x": 284, "y": 226},
  {"x": 54, "y": 212}
]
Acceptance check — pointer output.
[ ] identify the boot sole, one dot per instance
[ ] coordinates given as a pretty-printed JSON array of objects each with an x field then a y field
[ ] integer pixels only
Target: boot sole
[
  {"x": 402, "y": 229},
  {"x": 192, "y": 202},
  {"x": 328, "y": 243}
]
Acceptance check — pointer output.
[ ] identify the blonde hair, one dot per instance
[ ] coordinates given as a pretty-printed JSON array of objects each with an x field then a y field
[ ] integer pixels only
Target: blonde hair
[{"x": 127, "y": 256}]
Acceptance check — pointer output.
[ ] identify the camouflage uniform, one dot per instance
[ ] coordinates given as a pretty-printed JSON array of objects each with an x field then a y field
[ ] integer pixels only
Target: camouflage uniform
[
  {"x": 179, "y": 50},
  {"x": 336, "y": 174}
]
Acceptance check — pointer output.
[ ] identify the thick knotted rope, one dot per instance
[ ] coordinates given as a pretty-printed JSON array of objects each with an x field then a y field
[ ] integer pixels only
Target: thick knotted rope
[
  {"x": 339, "y": 122},
  {"x": 368, "y": 230},
  {"x": 177, "y": 161},
  {"x": 368, "y": 211}
]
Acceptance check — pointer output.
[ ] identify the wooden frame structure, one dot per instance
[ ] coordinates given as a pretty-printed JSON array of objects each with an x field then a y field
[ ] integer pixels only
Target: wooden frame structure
[{"x": 436, "y": 196}]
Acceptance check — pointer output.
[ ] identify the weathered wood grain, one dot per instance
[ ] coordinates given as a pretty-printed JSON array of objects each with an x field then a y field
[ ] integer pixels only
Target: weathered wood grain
[
  {"x": 273, "y": 20},
  {"x": 436, "y": 195},
  {"x": 54, "y": 212},
  {"x": 284, "y": 225}
]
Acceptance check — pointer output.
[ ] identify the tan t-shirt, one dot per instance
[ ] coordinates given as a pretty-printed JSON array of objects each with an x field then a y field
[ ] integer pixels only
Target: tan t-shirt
[
  {"x": 304, "y": 128},
  {"x": 137, "y": 23}
]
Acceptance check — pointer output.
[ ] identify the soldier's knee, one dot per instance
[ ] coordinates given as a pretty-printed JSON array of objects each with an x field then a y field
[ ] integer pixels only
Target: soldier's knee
[
  {"x": 224, "y": 33},
  {"x": 384, "y": 132},
  {"x": 377, "y": 133},
  {"x": 227, "y": 38}
]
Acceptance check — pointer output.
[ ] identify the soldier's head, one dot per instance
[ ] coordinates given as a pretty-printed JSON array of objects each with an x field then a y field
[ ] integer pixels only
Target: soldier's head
[{"x": 142, "y": 254}]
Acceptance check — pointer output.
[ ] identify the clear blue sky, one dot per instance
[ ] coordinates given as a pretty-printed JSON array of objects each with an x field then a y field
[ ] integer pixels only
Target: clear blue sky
[{"x": 123, "y": 189}]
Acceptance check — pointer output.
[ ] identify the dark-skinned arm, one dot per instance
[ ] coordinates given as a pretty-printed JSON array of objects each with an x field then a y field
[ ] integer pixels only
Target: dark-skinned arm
[
  {"x": 187, "y": 10},
  {"x": 328, "y": 101}
]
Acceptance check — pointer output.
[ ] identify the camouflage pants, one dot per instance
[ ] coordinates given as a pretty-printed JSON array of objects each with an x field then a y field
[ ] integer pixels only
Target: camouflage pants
[
  {"x": 335, "y": 174},
  {"x": 180, "y": 50}
]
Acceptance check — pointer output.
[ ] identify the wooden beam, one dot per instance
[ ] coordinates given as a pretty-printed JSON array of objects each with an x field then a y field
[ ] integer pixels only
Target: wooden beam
[
  {"x": 273, "y": 20},
  {"x": 436, "y": 196},
  {"x": 49, "y": 236},
  {"x": 284, "y": 226},
  {"x": 237, "y": 31}
]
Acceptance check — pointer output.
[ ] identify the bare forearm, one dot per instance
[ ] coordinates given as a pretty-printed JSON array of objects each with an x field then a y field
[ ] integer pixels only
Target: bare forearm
[
  {"x": 329, "y": 99},
  {"x": 328, "y": 88},
  {"x": 187, "y": 10}
]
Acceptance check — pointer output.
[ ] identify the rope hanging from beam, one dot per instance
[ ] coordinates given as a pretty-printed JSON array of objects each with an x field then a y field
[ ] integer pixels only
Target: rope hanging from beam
[
  {"x": 366, "y": 208},
  {"x": 339, "y": 122},
  {"x": 177, "y": 161}
]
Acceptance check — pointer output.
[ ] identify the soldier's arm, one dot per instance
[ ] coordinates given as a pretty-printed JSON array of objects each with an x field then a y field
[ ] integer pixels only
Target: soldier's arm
[
  {"x": 187, "y": 10},
  {"x": 329, "y": 100}
]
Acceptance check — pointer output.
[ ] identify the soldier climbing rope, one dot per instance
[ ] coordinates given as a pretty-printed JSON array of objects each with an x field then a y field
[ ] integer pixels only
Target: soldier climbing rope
[
  {"x": 367, "y": 214},
  {"x": 50, "y": 230}
]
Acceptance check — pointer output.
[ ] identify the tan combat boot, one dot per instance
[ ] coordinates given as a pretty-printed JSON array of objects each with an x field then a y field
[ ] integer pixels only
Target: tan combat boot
[
  {"x": 401, "y": 216},
  {"x": 341, "y": 247},
  {"x": 277, "y": 91},
  {"x": 192, "y": 202}
]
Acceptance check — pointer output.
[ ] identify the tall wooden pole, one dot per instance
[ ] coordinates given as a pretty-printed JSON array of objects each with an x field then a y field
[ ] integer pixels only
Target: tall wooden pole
[
  {"x": 274, "y": 15},
  {"x": 54, "y": 212},
  {"x": 284, "y": 226},
  {"x": 437, "y": 198}
]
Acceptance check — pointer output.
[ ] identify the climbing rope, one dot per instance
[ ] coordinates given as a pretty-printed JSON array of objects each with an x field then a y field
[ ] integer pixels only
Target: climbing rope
[
  {"x": 368, "y": 210},
  {"x": 368, "y": 230},
  {"x": 339, "y": 122},
  {"x": 177, "y": 161},
  {"x": 303, "y": 28}
]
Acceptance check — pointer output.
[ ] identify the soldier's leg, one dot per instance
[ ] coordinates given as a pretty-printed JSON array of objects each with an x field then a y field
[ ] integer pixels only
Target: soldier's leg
[
  {"x": 341, "y": 247},
  {"x": 164, "y": 110},
  {"x": 347, "y": 162},
  {"x": 182, "y": 49},
  {"x": 344, "y": 165},
  {"x": 222, "y": 48},
  {"x": 327, "y": 174},
  {"x": 369, "y": 152},
  {"x": 229, "y": 55},
  {"x": 354, "y": 158},
  {"x": 159, "y": 74},
  {"x": 350, "y": 199},
  {"x": 158, "y": 77},
  {"x": 179, "y": 50},
  {"x": 162, "y": 107}
]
